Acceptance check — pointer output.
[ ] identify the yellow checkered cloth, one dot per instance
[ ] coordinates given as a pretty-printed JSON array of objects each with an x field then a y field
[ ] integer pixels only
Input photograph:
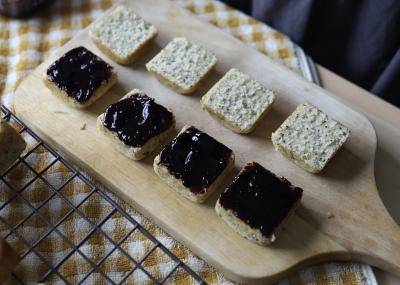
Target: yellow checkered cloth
[{"x": 24, "y": 44}]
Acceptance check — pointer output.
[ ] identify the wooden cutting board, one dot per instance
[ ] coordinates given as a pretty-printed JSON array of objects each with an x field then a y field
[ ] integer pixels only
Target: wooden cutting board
[{"x": 361, "y": 229}]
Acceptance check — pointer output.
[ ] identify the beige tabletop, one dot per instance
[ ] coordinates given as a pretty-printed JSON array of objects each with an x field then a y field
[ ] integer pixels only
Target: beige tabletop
[{"x": 386, "y": 120}]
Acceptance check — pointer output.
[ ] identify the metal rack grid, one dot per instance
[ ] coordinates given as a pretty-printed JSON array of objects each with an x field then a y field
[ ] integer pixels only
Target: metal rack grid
[{"x": 96, "y": 227}]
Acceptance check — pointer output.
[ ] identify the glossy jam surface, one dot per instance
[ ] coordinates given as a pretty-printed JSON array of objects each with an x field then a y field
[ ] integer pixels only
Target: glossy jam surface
[
  {"x": 196, "y": 159},
  {"x": 137, "y": 119},
  {"x": 259, "y": 198},
  {"x": 79, "y": 73}
]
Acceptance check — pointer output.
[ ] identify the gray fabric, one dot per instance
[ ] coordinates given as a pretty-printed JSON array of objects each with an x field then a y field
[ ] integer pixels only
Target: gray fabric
[{"x": 357, "y": 39}]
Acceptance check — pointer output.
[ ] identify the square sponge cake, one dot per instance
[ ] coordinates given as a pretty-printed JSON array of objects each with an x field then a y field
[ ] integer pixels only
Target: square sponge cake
[
  {"x": 136, "y": 124},
  {"x": 12, "y": 144},
  {"x": 123, "y": 35},
  {"x": 258, "y": 204},
  {"x": 182, "y": 65},
  {"x": 309, "y": 137},
  {"x": 79, "y": 77},
  {"x": 238, "y": 102},
  {"x": 194, "y": 164}
]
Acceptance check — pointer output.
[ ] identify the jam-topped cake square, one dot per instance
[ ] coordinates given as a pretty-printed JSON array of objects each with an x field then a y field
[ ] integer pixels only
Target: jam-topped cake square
[
  {"x": 136, "y": 124},
  {"x": 194, "y": 164},
  {"x": 79, "y": 77},
  {"x": 258, "y": 204}
]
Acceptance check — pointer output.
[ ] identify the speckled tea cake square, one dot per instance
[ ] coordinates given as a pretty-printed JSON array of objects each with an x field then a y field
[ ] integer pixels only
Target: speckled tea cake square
[
  {"x": 238, "y": 102},
  {"x": 123, "y": 35},
  {"x": 309, "y": 137},
  {"x": 182, "y": 65}
]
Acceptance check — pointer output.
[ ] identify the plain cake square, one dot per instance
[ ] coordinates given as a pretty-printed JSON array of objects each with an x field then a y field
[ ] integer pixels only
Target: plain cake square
[
  {"x": 238, "y": 102},
  {"x": 258, "y": 204},
  {"x": 12, "y": 144},
  {"x": 123, "y": 35},
  {"x": 194, "y": 164},
  {"x": 136, "y": 125},
  {"x": 79, "y": 77},
  {"x": 182, "y": 65},
  {"x": 309, "y": 137}
]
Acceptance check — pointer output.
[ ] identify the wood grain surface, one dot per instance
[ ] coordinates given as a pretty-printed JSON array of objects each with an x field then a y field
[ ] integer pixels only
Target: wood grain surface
[{"x": 361, "y": 228}]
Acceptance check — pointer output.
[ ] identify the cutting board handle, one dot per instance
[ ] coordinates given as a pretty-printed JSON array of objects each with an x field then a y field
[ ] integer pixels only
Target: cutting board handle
[
  {"x": 383, "y": 250},
  {"x": 374, "y": 237}
]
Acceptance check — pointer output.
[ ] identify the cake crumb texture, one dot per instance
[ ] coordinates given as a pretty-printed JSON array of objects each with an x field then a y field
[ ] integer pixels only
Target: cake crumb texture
[{"x": 329, "y": 215}]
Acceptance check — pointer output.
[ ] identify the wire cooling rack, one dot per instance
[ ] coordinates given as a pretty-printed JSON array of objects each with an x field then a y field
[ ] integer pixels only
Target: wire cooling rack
[{"x": 51, "y": 269}]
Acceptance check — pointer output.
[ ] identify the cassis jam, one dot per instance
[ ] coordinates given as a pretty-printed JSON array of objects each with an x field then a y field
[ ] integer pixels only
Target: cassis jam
[
  {"x": 196, "y": 159},
  {"x": 137, "y": 119},
  {"x": 259, "y": 198},
  {"x": 79, "y": 73}
]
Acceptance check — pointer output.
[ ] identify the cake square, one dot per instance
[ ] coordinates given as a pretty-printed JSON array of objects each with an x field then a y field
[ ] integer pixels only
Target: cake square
[
  {"x": 123, "y": 35},
  {"x": 309, "y": 137},
  {"x": 136, "y": 125},
  {"x": 238, "y": 102},
  {"x": 9, "y": 259},
  {"x": 258, "y": 204},
  {"x": 12, "y": 144},
  {"x": 182, "y": 65},
  {"x": 194, "y": 164},
  {"x": 79, "y": 77}
]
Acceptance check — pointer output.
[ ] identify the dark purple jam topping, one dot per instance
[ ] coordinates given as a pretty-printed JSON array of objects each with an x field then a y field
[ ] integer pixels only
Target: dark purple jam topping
[
  {"x": 259, "y": 198},
  {"x": 79, "y": 73},
  {"x": 196, "y": 159},
  {"x": 137, "y": 119}
]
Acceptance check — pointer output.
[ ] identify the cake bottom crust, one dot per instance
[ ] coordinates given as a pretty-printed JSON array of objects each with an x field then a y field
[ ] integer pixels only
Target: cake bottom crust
[
  {"x": 177, "y": 185},
  {"x": 176, "y": 87},
  {"x": 61, "y": 94},
  {"x": 141, "y": 50},
  {"x": 248, "y": 232},
  {"x": 135, "y": 153},
  {"x": 231, "y": 125}
]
